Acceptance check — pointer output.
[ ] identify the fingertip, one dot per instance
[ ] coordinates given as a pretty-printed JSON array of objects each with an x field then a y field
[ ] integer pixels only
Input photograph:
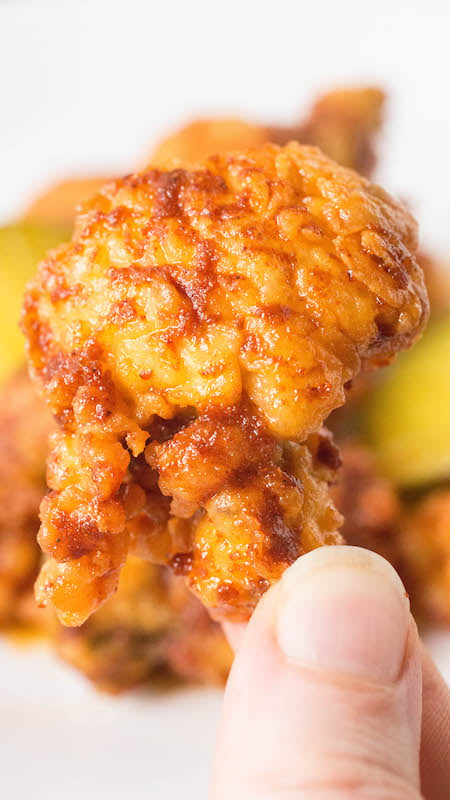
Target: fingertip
[
  {"x": 234, "y": 631},
  {"x": 344, "y": 608},
  {"x": 327, "y": 680}
]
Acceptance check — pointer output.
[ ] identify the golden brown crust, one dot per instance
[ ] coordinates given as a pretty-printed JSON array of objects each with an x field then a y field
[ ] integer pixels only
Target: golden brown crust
[
  {"x": 236, "y": 300},
  {"x": 153, "y": 628}
]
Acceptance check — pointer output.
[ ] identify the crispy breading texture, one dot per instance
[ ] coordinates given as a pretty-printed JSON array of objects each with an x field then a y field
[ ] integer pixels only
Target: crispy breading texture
[
  {"x": 235, "y": 301},
  {"x": 153, "y": 628}
]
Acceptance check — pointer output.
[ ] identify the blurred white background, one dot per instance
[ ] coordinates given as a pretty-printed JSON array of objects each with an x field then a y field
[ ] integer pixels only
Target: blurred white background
[{"x": 87, "y": 86}]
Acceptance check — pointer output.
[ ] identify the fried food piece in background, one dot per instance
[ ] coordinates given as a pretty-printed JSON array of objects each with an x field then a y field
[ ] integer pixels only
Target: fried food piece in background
[
  {"x": 344, "y": 123},
  {"x": 424, "y": 546},
  {"x": 412, "y": 533},
  {"x": 237, "y": 301},
  {"x": 57, "y": 205},
  {"x": 122, "y": 644},
  {"x": 368, "y": 501},
  {"x": 25, "y": 424},
  {"x": 196, "y": 649},
  {"x": 152, "y": 629},
  {"x": 22, "y": 245},
  {"x": 437, "y": 280},
  {"x": 202, "y": 138}
]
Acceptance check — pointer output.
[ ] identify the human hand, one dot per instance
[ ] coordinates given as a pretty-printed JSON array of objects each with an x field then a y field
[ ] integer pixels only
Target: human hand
[{"x": 331, "y": 694}]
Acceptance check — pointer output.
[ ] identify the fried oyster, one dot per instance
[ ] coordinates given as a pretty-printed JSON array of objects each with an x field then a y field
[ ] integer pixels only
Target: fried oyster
[{"x": 191, "y": 340}]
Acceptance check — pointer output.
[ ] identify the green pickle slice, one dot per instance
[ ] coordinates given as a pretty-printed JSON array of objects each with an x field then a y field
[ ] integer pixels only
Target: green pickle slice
[
  {"x": 407, "y": 419},
  {"x": 22, "y": 245}
]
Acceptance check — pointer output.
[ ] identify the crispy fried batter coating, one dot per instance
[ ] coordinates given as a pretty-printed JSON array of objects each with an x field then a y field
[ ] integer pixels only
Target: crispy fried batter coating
[
  {"x": 25, "y": 424},
  {"x": 122, "y": 645},
  {"x": 152, "y": 628},
  {"x": 343, "y": 123},
  {"x": 234, "y": 301}
]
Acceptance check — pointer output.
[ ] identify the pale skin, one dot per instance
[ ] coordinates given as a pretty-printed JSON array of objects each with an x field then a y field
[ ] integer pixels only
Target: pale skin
[{"x": 332, "y": 694}]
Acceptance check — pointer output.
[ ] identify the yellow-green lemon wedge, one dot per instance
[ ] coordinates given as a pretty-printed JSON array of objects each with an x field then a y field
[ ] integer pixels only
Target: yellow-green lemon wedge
[
  {"x": 408, "y": 415},
  {"x": 22, "y": 245}
]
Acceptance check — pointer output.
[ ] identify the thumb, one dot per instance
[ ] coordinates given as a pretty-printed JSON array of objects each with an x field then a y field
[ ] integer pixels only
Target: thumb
[{"x": 324, "y": 698}]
